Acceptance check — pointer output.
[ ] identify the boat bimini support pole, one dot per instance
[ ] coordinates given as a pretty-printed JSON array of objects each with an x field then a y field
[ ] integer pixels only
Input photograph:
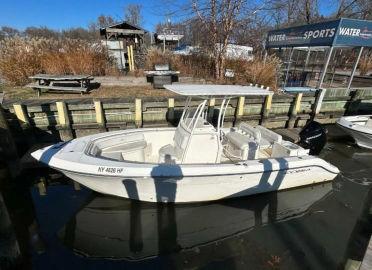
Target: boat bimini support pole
[
  {"x": 221, "y": 118},
  {"x": 325, "y": 68},
  {"x": 221, "y": 115},
  {"x": 192, "y": 124},
  {"x": 288, "y": 67},
  {"x": 185, "y": 108}
]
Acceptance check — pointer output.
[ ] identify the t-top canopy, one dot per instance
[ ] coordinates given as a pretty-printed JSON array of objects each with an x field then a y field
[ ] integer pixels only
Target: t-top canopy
[
  {"x": 341, "y": 32},
  {"x": 216, "y": 90}
]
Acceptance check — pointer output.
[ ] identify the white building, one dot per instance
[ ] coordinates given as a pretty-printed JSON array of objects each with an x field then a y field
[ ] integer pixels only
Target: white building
[{"x": 238, "y": 51}]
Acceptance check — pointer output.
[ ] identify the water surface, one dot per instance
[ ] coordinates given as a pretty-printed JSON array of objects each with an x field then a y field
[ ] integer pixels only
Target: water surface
[{"x": 314, "y": 227}]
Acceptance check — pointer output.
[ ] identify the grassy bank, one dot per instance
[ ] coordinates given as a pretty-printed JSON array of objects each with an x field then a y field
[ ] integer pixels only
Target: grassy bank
[{"x": 22, "y": 93}]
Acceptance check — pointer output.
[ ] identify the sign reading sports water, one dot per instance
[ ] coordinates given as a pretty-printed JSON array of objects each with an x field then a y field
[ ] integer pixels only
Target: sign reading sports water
[{"x": 342, "y": 32}]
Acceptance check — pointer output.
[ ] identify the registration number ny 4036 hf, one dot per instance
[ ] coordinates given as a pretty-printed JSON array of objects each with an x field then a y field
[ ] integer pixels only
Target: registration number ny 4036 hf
[{"x": 114, "y": 170}]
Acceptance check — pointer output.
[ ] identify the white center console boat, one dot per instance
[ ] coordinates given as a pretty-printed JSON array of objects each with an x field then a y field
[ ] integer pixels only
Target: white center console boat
[{"x": 194, "y": 162}]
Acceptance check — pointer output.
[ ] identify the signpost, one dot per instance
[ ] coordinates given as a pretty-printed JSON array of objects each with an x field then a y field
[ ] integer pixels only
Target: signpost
[
  {"x": 338, "y": 33},
  {"x": 341, "y": 33}
]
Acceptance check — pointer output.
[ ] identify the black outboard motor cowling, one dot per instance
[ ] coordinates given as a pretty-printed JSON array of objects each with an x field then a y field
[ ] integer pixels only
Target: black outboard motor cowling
[{"x": 313, "y": 136}]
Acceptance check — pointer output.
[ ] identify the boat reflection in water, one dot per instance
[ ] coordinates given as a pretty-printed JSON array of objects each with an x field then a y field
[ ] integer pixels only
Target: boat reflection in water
[{"x": 109, "y": 227}]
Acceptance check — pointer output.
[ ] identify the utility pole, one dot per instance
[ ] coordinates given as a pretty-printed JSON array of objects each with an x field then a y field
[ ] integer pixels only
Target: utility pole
[{"x": 163, "y": 40}]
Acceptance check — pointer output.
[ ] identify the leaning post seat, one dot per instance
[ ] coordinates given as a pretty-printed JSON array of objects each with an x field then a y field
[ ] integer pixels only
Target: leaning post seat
[
  {"x": 174, "y": 152},
  {"x": 199, "y": 145},
  {"x": 243, "y": 143},
  {"x": 251, "y": 131},
  {"x": 268, "y": 137}
]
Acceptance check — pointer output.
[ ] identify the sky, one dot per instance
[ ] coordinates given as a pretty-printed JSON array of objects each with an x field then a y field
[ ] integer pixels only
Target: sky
[{"x": 62, "y": 14}]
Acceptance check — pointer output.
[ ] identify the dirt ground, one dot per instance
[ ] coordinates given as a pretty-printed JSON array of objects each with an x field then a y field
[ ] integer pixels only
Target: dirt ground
[{"x": 22, "y": 93}]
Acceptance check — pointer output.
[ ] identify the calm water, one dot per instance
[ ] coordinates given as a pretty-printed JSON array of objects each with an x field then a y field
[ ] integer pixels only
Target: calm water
[{"x": 317, "y": 227}]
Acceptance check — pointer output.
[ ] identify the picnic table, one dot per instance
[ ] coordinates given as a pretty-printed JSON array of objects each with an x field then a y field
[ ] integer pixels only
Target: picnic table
[{"x": 75, "y": 83}]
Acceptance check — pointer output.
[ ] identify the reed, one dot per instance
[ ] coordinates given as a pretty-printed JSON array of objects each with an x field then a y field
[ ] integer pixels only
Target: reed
[
  {"x": 258, "y": 71},
  {"x": 201, "y": 66},
  {"x": 22, "y": 57},
  {"x": 365, "y": 64}
]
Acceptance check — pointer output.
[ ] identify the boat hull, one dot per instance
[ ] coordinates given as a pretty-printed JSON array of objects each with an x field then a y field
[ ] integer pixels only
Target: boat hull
[
  {"x": 184, "y": 189},
  {"x": 181, "y": 183},
  {"x": 362, "y": 135},
  {"x": 363, "y": 140}
]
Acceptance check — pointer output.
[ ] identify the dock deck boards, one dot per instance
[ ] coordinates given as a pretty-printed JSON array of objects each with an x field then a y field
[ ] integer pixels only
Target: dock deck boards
[{"x": 290, "y": 134}]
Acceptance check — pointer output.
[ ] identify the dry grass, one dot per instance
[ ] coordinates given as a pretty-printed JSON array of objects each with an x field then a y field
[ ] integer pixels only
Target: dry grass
[
  {"x": 365, "y": 64},
  {"x": 201, "y": 66},
  {"x": 21, "y": 93},
  {"x": 257, "y": 71},
  {"x": 21, "y": 58}
]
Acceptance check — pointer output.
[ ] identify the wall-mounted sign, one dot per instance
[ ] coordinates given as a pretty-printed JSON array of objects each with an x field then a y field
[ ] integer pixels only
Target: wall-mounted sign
[{"x": 341, "y": 32}]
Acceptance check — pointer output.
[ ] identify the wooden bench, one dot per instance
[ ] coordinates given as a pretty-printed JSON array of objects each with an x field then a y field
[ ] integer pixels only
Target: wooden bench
[{"x": 38, "y": 87}]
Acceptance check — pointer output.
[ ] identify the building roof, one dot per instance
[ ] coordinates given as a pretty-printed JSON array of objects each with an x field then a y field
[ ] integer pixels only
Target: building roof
[
  {"x": 216, "y": 90},
  {"x": 123, "y": 28}
]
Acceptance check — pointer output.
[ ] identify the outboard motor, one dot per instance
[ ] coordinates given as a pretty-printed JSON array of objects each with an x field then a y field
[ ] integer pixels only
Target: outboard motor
[{"x": 313, "y": 136}]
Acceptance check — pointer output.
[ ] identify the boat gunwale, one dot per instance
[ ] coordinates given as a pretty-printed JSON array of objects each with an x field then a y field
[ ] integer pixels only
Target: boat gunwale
[
  {"x": 343, "y": 122},
  {"x": 204, "y": 175}
]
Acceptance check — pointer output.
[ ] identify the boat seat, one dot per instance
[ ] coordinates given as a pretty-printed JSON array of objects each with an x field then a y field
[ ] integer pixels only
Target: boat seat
[
  {"x": 129, "y": 147},
  {"x": 245, "y": 145},
  {"x": 268, "y": 137},
  {"x": 251, "y": 131},
  {"x": 174, "y": 152},
  {"x": 169, "y": 154},
  {"x": 134, "y": 151},
  {"x": 288, "y": 149}
]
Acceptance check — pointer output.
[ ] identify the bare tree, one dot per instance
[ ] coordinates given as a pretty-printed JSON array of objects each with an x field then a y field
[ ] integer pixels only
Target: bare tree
[
  {"x": 43, "y": 32},
  {"x": 360, "y": 9},
  {"x": 102, "y": 21},
  {"x": 282, "y": 12},
  {"x": 7, "y": 31},
  {"x": 292, "y": 12},
  {"x": 218, "y": 17},
  {"x": 250, "y": 31},
  {"x": 133, "y": 14},
  {"x": 78, "y": 33},
  {"x": 308, "y": 10}
]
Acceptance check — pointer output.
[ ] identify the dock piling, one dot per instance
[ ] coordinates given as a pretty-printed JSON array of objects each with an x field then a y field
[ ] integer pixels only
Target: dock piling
[
  {"x": 170, "y": 116},
  {"x": 100, "y": 115},
  {"x": 138, "y": 113},
  {"x": 239, "y": 111},
  {"x": 266, "y": 109},
  {"x": 295, "y": 109},
  {"x": 318, "y": 103},
  {"x": 64, "y": 121},
  {"x": 42, "y": 186},
  {"x": 8, "y": 149}
]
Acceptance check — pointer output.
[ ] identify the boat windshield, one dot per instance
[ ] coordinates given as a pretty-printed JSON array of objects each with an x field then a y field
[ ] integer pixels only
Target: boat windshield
[{"x": 191, "y": 118}]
